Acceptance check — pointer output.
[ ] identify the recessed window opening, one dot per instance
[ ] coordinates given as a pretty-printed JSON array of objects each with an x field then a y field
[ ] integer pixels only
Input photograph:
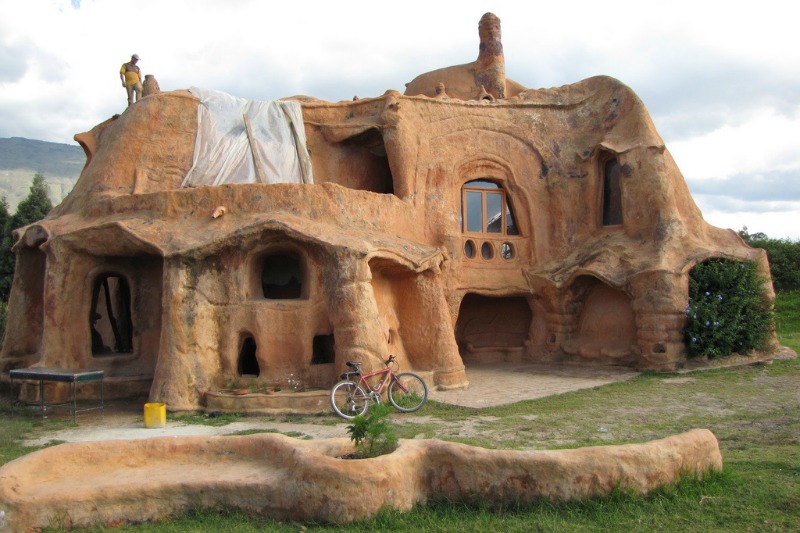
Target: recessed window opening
[
  {"x": 485, "y": 209},
  {"x": 612, "y": 193},
  {"x": 248, "y": 363},
  {"x": 282, "y": 277},
  {"x": 371, "y": 170},
  {"x": 110, "y": 322},
  {"x": 324, "y": 350}
]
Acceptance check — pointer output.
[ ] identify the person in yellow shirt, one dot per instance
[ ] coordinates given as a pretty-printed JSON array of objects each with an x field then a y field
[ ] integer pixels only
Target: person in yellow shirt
[{"x": 131, "y": 77}]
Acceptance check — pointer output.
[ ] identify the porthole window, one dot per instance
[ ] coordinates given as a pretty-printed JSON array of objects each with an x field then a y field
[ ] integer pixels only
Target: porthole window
[
  {"x": 469, "y": 249},
  {"x": 487, "y": 250},
  {"x": 507, "y": 251}
]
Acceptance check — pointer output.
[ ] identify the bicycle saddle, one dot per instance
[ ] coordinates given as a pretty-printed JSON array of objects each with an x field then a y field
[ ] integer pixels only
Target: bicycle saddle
[{"x": 353, "y": 364}]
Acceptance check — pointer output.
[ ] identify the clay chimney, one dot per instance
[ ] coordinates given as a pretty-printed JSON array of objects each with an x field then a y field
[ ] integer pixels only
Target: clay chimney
[{"x": 490, "y": 67}]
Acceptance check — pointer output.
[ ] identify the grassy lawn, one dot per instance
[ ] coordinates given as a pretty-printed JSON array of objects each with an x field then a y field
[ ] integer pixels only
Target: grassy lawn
[{"x": 753, "y": 410}]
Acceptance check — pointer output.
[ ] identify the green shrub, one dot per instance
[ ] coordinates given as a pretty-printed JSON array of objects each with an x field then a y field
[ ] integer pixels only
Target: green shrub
[
  {"x": 784, "y": 259},
  {"x": 784, "y": 262},
  {"x": 372, "y": 434},
  {"x": 728, "y": 309}
]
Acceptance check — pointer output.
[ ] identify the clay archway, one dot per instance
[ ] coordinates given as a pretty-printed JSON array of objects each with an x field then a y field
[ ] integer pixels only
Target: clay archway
[
  {"x": 493, "y": 329},
  {"x": 605, "y": 324}
]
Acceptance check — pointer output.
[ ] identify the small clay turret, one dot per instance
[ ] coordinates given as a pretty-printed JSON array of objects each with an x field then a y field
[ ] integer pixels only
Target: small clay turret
[
  {"x": 484, "y": 79},
  {"x": 150, "y": 86}
]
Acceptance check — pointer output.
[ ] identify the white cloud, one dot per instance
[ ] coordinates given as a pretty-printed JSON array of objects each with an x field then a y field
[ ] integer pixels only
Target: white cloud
[{"x": 763, "y": 140}]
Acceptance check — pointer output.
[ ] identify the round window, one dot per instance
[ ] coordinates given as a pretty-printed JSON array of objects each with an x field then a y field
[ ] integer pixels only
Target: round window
[
  {"x": 507, "y": 251},
  {"x": 469, "y": 249},
  {"x": 487, "y": 251}
]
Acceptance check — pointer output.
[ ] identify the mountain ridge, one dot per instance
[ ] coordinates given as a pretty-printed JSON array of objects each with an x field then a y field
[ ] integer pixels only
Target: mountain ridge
[{"x": 21, "y": 158}]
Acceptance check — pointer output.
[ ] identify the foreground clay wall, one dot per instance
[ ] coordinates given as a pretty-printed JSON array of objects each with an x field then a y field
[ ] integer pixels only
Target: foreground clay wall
[{"x": 113, "y": 482}]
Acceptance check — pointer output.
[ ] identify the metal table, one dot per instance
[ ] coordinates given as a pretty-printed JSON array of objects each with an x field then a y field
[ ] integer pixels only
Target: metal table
[{"x": 62, "y": 375}]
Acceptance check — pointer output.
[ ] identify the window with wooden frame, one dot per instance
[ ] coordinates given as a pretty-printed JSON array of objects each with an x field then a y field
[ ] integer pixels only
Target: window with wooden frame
[{"x": 485, "y": 209}]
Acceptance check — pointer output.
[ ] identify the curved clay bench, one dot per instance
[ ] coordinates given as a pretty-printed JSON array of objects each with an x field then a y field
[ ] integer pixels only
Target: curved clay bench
[{"x": 110, "y": 482}]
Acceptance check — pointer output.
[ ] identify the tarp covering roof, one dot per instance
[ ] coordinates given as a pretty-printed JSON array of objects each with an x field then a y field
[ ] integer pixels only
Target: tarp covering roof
[{"x": 248, "y": 141}]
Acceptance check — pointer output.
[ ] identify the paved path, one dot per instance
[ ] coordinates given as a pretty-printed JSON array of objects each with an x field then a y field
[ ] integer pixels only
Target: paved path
[{"x": 504, "y": 383}]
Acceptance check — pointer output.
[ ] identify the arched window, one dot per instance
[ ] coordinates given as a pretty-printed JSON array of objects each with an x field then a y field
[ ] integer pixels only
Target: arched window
[
  {"x": 612, "y": 193},
  {"x": 485, "y": 209}
]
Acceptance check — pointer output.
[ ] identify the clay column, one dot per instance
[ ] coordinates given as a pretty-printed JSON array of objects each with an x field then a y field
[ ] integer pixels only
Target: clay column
[
  {"x": 66, "y": 341},
  {"x": 428, "y": 330},
  {"x": 354, "y": 312},
  {"x": 659, "y": 301},
  {"x": 188, "y": 362}
]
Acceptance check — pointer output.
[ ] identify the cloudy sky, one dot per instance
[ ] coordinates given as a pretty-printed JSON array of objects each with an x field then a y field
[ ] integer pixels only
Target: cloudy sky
[{"x": 721, "y": 79}]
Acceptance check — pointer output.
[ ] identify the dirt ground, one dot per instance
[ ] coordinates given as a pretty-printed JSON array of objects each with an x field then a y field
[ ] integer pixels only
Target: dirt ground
[{"x": 490, "y": 385}]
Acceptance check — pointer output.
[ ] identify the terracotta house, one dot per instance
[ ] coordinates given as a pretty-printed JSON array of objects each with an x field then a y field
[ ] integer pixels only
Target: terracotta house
[{"x": 465, "y": 221}]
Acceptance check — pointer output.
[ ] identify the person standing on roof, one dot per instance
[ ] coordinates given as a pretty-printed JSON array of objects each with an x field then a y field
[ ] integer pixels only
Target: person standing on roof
[{"x": 131, "y": 77}]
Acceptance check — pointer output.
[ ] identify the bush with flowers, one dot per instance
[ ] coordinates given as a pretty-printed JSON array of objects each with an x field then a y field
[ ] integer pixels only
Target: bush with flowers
[{"x": 728, "y": 310}]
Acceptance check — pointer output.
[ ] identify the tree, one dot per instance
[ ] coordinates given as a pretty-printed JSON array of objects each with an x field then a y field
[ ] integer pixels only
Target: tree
[
  {"x": 35, "y": 206},
  {"x": 32, "y": 209},
  {"x": 4, "y": 215}
]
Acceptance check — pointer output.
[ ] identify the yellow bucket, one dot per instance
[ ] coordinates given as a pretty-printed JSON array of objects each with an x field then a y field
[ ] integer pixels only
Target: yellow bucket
[{"x": 155, "y": 415}]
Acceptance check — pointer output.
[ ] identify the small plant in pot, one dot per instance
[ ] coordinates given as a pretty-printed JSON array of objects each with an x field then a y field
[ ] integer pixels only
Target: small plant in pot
[{"x": 372, "y": 434}]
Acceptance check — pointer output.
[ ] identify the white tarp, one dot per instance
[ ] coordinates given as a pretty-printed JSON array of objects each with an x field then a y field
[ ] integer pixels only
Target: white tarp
[{"x": 248, "y": 141}]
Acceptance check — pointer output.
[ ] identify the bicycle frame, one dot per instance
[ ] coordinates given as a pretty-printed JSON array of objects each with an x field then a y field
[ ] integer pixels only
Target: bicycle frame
[{"x": 362, "y": 380}]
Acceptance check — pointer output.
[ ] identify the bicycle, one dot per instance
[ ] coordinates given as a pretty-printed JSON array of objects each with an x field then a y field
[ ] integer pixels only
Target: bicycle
[{"x": 350, "y": 397}]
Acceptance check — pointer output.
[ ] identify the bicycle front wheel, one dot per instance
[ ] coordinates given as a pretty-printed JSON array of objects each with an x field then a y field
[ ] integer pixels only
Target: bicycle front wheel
[
  {"x": 408, "y": 392},
  {"x": 349, "y": 400}
]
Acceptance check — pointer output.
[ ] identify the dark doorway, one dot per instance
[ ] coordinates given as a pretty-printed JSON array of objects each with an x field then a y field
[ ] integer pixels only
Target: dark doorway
[{"x": 248, "y": 362}]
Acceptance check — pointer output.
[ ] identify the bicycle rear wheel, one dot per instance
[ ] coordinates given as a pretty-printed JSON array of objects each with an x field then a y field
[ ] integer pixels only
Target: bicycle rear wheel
[
  {"x": 408, "y": 392},
  {"x": 349, "y": 400}
]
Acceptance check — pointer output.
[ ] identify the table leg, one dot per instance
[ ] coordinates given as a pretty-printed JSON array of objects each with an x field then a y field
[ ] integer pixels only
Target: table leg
[
  {"x": 73, "y": 386},
  {"x": 41, "y": 397}
]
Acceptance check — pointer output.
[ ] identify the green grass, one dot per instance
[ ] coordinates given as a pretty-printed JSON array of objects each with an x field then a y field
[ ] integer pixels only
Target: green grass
[
  {"x": 221, "y": 419},
  {"x": 787, "y": 319},
  {"x": 14, "y": 428},
  {"x": 753, "y": 410}
]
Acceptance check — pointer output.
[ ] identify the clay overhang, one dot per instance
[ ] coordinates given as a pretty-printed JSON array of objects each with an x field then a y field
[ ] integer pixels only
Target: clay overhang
[
  {"x": 613, "y": 259},
  {"x": 136, "y": 236}
]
